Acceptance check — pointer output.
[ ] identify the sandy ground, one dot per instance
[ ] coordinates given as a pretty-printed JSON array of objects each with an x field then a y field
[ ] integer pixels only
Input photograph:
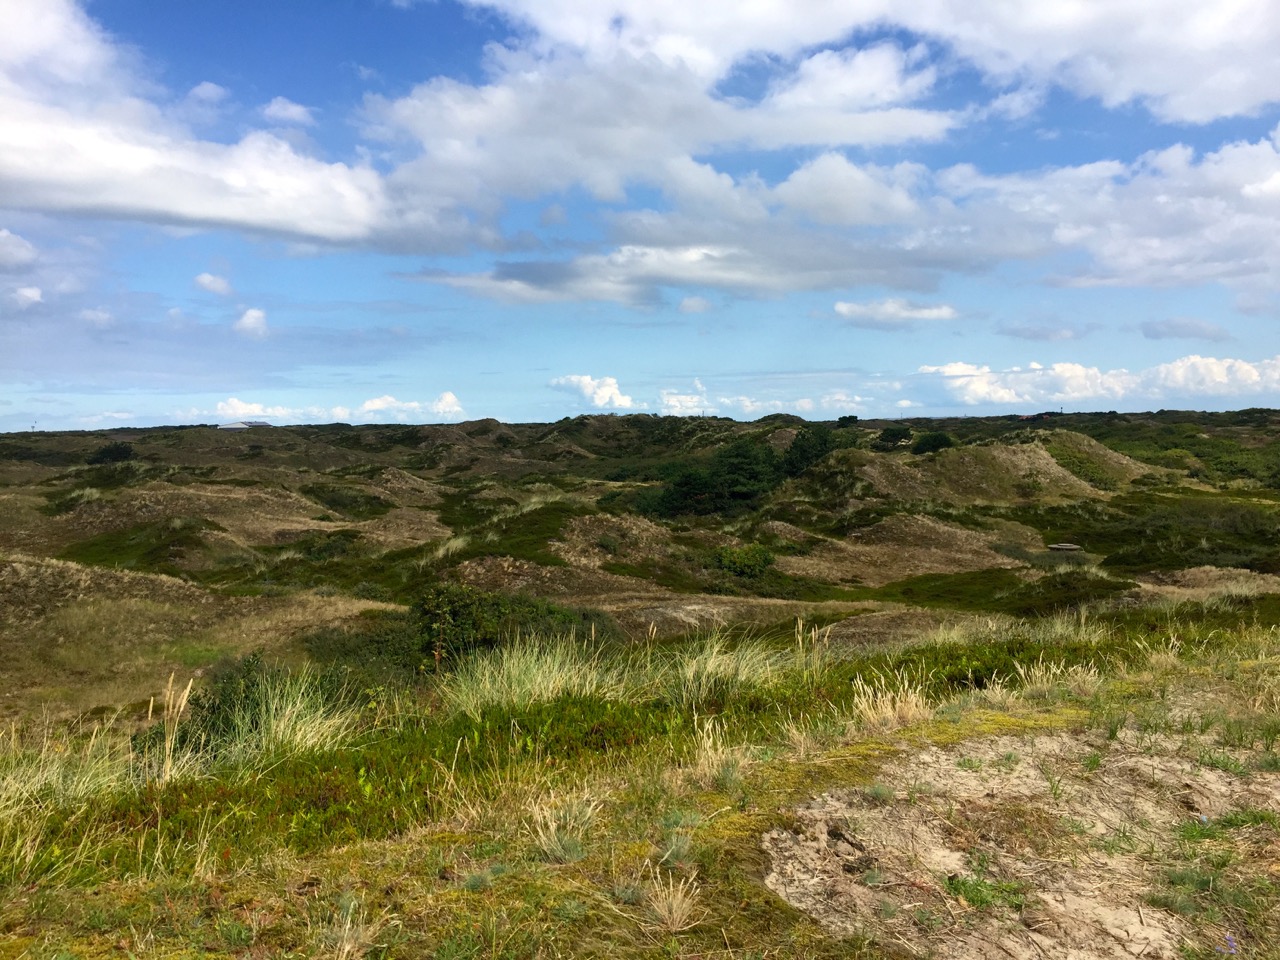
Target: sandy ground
[{"x": 1024, "y": 812}]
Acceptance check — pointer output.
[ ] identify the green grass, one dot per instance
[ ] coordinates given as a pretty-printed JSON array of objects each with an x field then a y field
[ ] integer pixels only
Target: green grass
[{"x": 159, "y": 547}]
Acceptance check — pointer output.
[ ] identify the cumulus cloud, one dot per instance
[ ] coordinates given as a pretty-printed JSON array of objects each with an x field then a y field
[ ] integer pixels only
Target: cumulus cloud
[
  {"x": 15, "y": 252},
  {"x": 252, "y": 323},
  {"x": 445, "y": 405},
  {"x": 892, "y": 314},
  {"x": 843, "y": 401},
  {"x": 1190, "y": 376},
  {"x": 675, "y": 403},
  {"x": 1183, "y": 60},
  {"x": 284, "y": 110},
  {"x": 602, "y": 393},
  {"x": 214, "y": 284},
  {"x": 235, "y": 409},
  {"x": 1183, "y": 328}
]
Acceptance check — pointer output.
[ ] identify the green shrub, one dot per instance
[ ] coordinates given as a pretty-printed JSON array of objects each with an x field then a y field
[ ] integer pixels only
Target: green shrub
[
  {"x": 453, "y": 618},
  {"x": 351, "y": 501},
  {"x": 750, "y": 561},
  {"x": 116, "y": 452},
  {"x": 931, "y": 442}
]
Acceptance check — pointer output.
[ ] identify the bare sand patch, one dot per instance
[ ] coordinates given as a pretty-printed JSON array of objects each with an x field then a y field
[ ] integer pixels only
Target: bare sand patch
[{"x": 1048, "y": 847}]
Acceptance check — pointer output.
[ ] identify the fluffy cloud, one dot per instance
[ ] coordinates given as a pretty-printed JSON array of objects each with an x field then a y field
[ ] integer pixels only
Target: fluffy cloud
[
  {"x": 80, "y": 137},
  {"x": 1183, "y": 328},
  {"x": 235, "y": 409},
  {"x": 15, "y": 252},
  {"x": 214, "y": 284},
  {"x": 252, "y": 323},
  {"x": 284, "y": 110},
  {"x": 446, "y": 405},
  {"x": 1191, "y": 376},
  {"x": 602, "y": 393},
  {"x": 677, "y": 404},
  {"x": 892, "y": 314},
  {"x": 1184, "y": 60}
]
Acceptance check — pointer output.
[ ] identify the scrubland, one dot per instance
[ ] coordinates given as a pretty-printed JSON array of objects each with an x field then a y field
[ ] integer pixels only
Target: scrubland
[{"x": 566, "y": 691}]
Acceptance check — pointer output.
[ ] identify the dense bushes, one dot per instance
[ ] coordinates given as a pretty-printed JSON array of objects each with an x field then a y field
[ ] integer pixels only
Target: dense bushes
[
  {"x": 750, "y": 561},
  {"x": 931, "y": 442},
  {"x": 116, "y": 452},
  {"x": 737, "y": 476}
]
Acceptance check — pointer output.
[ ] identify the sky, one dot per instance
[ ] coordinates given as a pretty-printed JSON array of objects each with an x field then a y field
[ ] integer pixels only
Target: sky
[{"x": 428, "y": 211}]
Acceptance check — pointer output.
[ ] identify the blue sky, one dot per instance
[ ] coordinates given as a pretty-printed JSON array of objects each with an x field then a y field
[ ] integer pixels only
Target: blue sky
[{"x": 378, "y": 211}]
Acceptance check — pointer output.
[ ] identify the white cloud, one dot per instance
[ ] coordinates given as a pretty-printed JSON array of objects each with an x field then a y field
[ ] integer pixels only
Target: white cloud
[
  {"x": 892, "y": 314},
  {"x": 208, "y": 92},
  {"x": 252, "y": 323},
  {"x": 677, "y": 404},
  {"x": 236, "y": 409},
  {"x": 855, "y": 79},
  {"x": 831, "y": 190},
  {"x": 27, "y": 297},
  {"x": 1186, "y": 377},
  {"x": 214, "y": 284},
  {"x": 602, "y": 393},
  {"x": 843, "y": 401},
  {"x": 97, "y": 318},
  {"x": 1183, "y": 328},
  {"x": 447, "y": 405},
  {"x": 284, "y": 110},
  {"x": 695, "y": 305},
  {"x": 752, "y": 406},
  {"x": 1183, "y": 59},
  {"x": 109, "y": 415},
  {"x": 15, "y": 252}
]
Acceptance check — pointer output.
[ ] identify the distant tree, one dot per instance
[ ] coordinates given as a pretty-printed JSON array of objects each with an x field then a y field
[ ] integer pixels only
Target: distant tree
[
  {"x": 116, "y": 452},
  {"x": 930, "y": 442},
  {"x": 894, "y": 436},
  {"x": 848, "y": 420}
]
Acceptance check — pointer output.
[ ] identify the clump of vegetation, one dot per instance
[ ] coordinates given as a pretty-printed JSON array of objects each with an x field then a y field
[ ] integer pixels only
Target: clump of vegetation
[
  {"x": 750, "y": 561},
  {"x": 932, "y": 442},
  {"x": 117, "y": 451},
  {"x": 349, "y": 501}
]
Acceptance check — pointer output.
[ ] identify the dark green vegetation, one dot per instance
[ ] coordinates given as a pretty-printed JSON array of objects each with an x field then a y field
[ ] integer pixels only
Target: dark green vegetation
[{"x": 453, "y": 698}]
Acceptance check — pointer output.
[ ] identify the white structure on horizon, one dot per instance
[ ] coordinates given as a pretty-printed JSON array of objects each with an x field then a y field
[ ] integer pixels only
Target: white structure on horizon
[{"x": 243, "y": 425}]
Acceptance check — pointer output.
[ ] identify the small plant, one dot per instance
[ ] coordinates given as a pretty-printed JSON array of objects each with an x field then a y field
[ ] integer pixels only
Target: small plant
[
  {"x": 560, "y": 827},
  {"x": 1221, "y": 760},
  {"x": 673, "y": 907},
  {"x": 969, "y": 763},
  {"x": 1092, "y": 762},
  {"x": 1007, "y": 762},
  {"x": 879, "y": 794}
]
